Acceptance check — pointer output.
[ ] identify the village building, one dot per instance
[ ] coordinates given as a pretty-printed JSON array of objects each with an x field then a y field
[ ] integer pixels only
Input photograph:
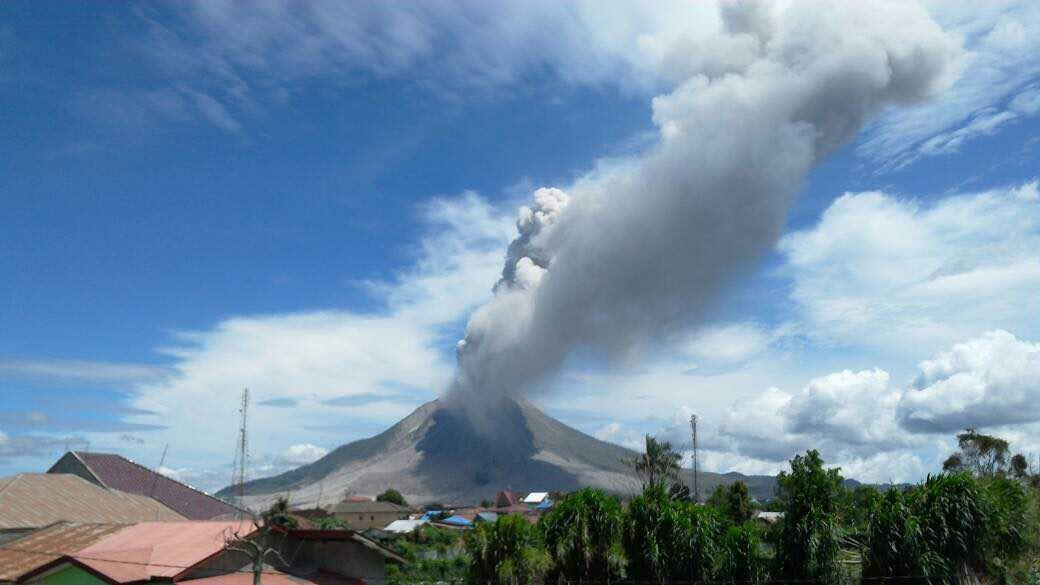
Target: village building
[
  {"x": 29, "y": 501},
  {"x": 209, "y": 553},
  {"x": 361, "y": 515},
  {"x": 46, "y": 545},
  {"x": 116, "y": 472}
]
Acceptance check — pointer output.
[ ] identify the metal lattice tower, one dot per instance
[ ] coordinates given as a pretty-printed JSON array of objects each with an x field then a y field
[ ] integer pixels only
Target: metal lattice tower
[
  {"x": 242, "y": 453},
  {"x": 696, "y": 479}
]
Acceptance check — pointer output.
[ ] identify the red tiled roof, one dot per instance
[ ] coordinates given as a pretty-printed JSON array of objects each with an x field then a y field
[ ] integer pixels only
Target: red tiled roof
[
  {"x": 43, "y": 546},
  {"x": 117, "y": 472}
]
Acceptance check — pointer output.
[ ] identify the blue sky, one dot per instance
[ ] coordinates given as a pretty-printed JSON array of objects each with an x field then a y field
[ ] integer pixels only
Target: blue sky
[{"x": 312, "y": 202}]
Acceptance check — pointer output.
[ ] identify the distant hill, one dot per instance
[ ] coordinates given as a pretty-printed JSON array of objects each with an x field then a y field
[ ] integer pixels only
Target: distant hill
[{"x": 435, "y": 454}]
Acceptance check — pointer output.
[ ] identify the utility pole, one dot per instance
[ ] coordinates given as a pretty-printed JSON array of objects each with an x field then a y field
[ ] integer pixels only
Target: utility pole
[{"x": 696, "y": 478}]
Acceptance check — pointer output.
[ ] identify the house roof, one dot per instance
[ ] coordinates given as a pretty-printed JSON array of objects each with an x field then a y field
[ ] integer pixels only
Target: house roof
[
  {"x": 535, "y": 497},
  {"x": 276, "y": 578},
  {"x": 34, "y": 500},
  {"x": 117, "y": 472},
  {"x": 352, "y": 536},
  {"x": 404, "y": 526},
  {"x": 161, "y": 550},
  {"x": 352, "y": 507},
  {"x": 48, "y": 544},
  {"x": 506, "y": 498}
]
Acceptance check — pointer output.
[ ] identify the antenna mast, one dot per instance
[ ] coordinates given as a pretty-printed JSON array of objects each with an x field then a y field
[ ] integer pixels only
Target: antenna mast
[
  {"x": 696, "y": 479},
  {"x": 240, "y": 457}
]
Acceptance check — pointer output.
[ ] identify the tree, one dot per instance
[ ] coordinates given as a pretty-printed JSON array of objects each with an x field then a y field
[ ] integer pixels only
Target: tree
[
  {"x": 668, "y": 539},
  {"x": 330, "y": 523},
  {"x": 951, "y": 529},
  {"x": 742, "y": 559},
  {"x": 658, "y": 464},
  {"x": 279, "y": 515},
  {"x": 257, "y": 545},
  {"x": 1019, "y": 466},
  {"x": 507, "y": 551},
  {"x": 896, "y": 543},
  {"x": 583, "y": 536},
  {"x": 392, "y": 496},
  {"x": 984, "y": 455},
  {"x": 807, "y": 546},
  {"x": 733, "y": 500}
]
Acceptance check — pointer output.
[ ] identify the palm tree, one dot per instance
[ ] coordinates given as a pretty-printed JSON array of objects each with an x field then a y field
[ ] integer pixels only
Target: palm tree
[
  {"x": 658, "y": 464},
  {"x": 507, "y": 551},
  {"x": 583, "y": 537}
]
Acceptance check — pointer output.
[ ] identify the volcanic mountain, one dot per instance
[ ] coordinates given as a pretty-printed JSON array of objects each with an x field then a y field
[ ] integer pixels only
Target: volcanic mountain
[{"x": 436, "y": 454}]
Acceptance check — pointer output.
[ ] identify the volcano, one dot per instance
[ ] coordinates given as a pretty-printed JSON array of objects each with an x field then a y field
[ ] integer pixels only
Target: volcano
[{"x": 436, "y": 454}]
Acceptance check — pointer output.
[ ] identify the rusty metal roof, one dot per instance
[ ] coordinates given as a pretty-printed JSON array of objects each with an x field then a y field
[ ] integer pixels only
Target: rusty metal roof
[
  {"x": 34, "y": 500},
  {"x": 48, "y": 544},
  {"x": 161, "y": 550},
  {"x": 118, "y": 472}
]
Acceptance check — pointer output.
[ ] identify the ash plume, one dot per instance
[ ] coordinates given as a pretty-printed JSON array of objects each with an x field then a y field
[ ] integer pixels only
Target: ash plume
[{"x": 638, "y": 247}]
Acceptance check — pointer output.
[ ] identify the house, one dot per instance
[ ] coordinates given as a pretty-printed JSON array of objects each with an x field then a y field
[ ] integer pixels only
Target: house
[
  {"x": 43, "y": 546},
  {"x": 116, "y": 472},
  {"x": 29, "y": 501},
  {"x": 345, "y": 553},
  {"x": 535, "y": 498},
  {"x": 369, "y": 514},
  {"x": 404, "y": 526},
  {"x": 209, "y": 553},
  {"x": 149, "y": 551},
  {"x": 506, "y": 499},
  {"x": 767, "y": 517}
]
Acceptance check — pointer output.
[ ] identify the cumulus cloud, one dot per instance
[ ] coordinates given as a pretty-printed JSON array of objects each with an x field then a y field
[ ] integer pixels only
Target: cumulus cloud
[
  {"x": 302, "y": 454},
  {"x": 877, "y": 430},
  {"x": 989, "y": 381},
  {"x": 889, "y": 272},
  {"x": 643, "y": 245}
]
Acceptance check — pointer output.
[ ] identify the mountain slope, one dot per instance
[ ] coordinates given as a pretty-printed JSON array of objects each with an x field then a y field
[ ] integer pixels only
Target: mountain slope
[{"x": 435, "y": 454}]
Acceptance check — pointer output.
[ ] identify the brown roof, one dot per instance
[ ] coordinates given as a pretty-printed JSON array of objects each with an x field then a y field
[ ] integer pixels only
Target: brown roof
[
  {"x": 34, "y": 500},
  {"x": 117, "y": 472},
  {"x": 506, "y": 498},
  {"x": 349, "y": 507},
  {"x": 163, "y": 550},
  {"x": 47, "y": 544}
]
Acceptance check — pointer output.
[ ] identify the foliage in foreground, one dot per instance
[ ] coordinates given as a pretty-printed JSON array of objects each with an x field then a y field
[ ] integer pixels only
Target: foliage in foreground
[
  {"x": 509, "y": 551},
  {"x": 583, "y": 537}
]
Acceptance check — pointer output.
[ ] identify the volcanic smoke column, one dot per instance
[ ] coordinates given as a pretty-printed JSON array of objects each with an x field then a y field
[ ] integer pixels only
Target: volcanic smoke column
[{"x": 637, "y": 248}]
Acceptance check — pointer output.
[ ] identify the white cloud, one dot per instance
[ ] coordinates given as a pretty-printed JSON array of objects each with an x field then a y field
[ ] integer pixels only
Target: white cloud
[
  {"x": 313, "y": 357},
  {"x": 302, "y": 454},
  {"x": 80, "y": 370},
  {"x": 882, "y": 271},
  {"x": 989, "y": 381},
  {"x": 993, "y": 90},
  {"x": 728, "y": 344}
]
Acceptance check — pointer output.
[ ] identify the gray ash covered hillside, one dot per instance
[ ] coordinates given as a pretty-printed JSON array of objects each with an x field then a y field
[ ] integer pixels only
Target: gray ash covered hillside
[{"x": 435, "y": 454}]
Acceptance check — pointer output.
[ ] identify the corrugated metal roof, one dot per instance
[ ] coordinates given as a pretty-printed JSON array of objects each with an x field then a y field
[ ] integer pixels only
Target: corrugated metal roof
[
  {"x": 34, "y": 500},
  {"x": 535, "y": 497},
  {"x": 47, "y": 544},
  {"x": 276, "y": 578},
  {"x": 159, "y": 549},
  {"x": 118, "y": 472}
]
